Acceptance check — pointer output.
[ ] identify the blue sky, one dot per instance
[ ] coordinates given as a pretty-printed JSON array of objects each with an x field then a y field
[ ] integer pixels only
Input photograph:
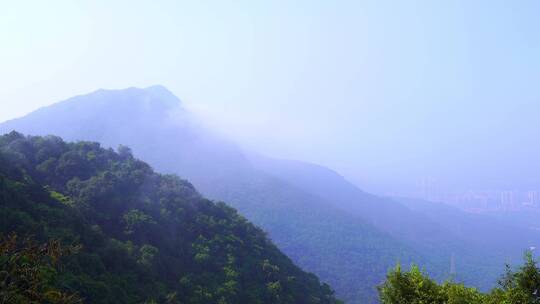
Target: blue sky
[{"x": 386, "y": 92}]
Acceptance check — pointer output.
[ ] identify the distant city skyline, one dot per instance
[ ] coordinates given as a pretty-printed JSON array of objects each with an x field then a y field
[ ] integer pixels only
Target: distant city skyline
[{"x": 475, "y": 199}]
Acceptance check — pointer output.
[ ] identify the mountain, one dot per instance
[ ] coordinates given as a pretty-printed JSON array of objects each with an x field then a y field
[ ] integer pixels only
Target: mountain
[
  {"x": 480, "y": 245},
  {"x": 144, "y": 237},
  {"x": 484, "y": 230},
  {"x": 345, "y": 251},
  {"x": 326, "y": 225}
]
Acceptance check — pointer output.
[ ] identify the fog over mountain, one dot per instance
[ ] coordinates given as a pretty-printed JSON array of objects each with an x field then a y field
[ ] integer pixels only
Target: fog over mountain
[
  {"x": 327, "y": 225},
  {"x": 387, "y": 92},
  {"x": 270, "y": 152}
]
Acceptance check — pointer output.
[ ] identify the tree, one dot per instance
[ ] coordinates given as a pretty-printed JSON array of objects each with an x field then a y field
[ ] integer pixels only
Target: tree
[
  {"x": 28, "y": 272},
  {"x": 521, "y": 286},
  {"x": 411, "y": 287}
]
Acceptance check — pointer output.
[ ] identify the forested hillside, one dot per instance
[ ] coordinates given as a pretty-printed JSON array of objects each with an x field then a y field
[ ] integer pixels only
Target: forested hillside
[
  {"x": 341, "y": 248},
  {"x": 144, "y": 237}
]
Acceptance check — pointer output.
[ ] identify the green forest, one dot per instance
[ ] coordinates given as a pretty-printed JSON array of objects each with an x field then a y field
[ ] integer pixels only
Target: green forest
[
  {"x": 84, "y": 224},
  {"x": 516, "y": 286}
]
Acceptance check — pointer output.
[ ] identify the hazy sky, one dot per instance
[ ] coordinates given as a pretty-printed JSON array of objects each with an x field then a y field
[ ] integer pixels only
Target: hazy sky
[{"x": 386, "y": 92}]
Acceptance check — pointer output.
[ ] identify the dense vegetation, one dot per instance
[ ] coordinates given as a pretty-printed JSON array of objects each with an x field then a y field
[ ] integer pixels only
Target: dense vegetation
[
  {"x": 144, "y": 237},
  {"x": 521, "y": 286},
  {"x": 28, "y": 271}
]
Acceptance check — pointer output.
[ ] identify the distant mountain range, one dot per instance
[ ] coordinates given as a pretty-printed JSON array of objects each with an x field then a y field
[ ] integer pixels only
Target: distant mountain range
[{"x": 328, "y": 226}]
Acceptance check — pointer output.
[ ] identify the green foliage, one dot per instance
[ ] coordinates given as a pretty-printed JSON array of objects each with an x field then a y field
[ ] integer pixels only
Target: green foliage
[
  {"x": 521, "y": 285},
  {"x": 61, "y": 198},
  {"x": 147, "y": 253},
  {"x": 459, "y": 294},
  {"x": 146, "y": 237},
  {"x": 414, "y": 287},
  {"x": 28, "y": 272},
  {"x": 135, "y": 219}
]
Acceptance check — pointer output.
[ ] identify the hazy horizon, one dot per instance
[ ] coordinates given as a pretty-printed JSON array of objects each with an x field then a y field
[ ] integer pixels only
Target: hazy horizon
[{"x": 386, "y": 93}]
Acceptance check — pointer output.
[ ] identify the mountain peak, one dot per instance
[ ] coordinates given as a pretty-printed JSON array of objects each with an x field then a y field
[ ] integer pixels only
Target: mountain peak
[
  {"x": 158, "y": 88},
  {"x": 162, "y": 93},
  {"x": 156, "y": 94},
  {"x": 116, "y": 107}
]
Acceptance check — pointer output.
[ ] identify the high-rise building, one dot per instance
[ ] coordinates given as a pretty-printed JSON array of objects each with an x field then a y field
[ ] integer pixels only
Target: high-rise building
[
  {"x": 533, "y": 198},
  {"x": 429, "y": 190},
  {"x": 508, "y": 200}
]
